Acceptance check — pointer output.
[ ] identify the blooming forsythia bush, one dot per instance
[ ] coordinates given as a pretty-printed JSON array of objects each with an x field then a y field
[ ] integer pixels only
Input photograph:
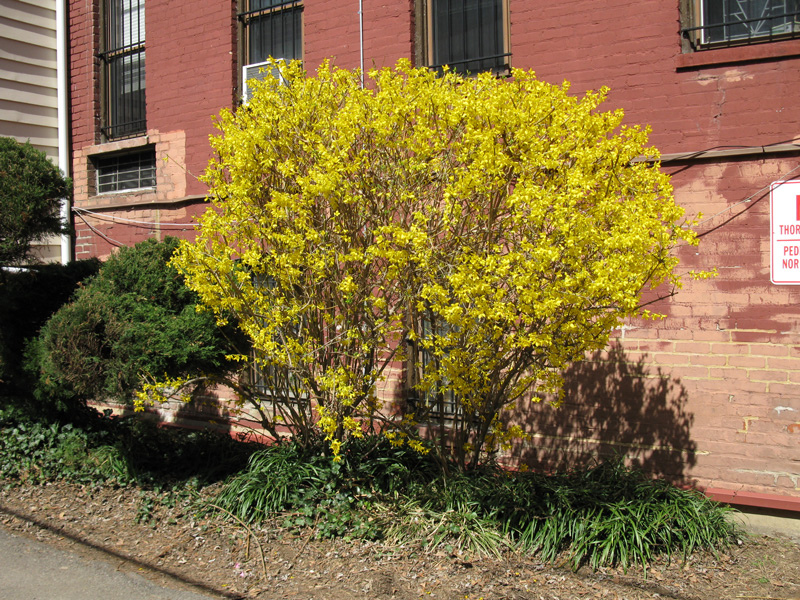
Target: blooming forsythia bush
[{"x": 499, "y": 227}]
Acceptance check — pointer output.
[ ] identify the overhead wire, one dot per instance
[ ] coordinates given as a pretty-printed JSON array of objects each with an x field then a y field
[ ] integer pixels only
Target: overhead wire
[
  {"x": 111, "y": 241},
  {"x": 113, "y": 218},
  {"x": 761, "y": 193}
]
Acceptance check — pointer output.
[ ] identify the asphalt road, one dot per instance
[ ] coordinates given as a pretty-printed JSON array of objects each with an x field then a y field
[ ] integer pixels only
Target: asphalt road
[{"x": 32, "y": 570}]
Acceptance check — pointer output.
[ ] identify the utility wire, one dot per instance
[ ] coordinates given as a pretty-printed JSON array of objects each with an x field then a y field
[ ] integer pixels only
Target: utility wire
[
  {"x": 760, "y": 192},
  {"x": 111, "y": 241},
  {"x": 108, "y": 217}
]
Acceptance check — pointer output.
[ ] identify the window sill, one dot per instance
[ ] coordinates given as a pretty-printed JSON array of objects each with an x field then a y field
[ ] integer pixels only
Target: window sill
[
  {"x": 128, "y": 192},
  {"x": 117, "y": 145},
  {"x": 738, "y": 54},
  {"x": 121, "y": 199}
]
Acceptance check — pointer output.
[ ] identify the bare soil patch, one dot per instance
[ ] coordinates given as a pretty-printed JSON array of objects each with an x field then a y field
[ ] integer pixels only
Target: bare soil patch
[{"x": 168, "y": 538}]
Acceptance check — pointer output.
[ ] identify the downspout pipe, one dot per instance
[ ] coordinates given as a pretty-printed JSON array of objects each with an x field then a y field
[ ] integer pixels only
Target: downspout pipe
[
  {"x": 361, "y": 36},
  {"x": 63, "y": 117}
]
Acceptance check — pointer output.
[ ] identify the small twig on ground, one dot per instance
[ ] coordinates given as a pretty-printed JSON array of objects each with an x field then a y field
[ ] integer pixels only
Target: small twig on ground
[
  {"x": 308, "y": 539},
  {"x": 250, "y": 533}
]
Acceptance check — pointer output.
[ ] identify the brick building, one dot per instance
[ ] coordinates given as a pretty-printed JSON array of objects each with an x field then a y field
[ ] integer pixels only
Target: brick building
[{"x": 711, "y": 394}]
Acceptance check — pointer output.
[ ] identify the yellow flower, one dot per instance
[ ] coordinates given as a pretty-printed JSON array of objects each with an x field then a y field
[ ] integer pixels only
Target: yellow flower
[{"x": 418, "y": 217}]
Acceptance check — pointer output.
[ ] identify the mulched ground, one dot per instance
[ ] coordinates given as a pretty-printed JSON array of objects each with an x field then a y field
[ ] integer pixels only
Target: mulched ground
[{"x": 165, "y": 538}]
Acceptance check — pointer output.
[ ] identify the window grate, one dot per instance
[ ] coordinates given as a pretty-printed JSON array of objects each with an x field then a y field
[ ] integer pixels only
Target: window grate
[
  {"x": 724, "y": 23},
  {"x": 125, "y": 172},
  {"x": 440, "y": 402},
  {"x": 468, "y": 35},
  {"x": 272, "y": 28},
  {"x": 124, "y": 69},
  {"x": 269, "y": 380}
]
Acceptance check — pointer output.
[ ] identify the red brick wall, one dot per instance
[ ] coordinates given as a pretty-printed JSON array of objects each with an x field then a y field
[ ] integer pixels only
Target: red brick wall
[
  {"x": 709, "y": 395},
  {"x": 191, "y": 73},
  {"x": 191, "y": 76},
  {"x": 129, "y": 225},
  {"x": 84, "y": 42},
  {"x": 331, "y": 30},
  {"x": 635, "y": 49}
]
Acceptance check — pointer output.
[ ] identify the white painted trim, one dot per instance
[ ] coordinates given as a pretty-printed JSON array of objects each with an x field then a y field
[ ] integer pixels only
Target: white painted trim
[{"x": 63, "y": 116}]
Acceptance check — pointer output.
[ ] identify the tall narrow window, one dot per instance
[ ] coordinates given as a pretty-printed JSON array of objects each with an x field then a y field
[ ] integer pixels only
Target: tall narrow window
[
  {"x": 124, "y": 73},
  {"x": 271, "y": 29},
  {"x": 439, "y": 402},
  {"x": 734, "y": 22},
  {"x": 268, "y": 379},
  {"x": 468, "y": 35}
]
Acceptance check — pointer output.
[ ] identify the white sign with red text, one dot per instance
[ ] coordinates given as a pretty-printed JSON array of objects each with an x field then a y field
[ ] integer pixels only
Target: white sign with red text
[{"x": 784, "y": 217}]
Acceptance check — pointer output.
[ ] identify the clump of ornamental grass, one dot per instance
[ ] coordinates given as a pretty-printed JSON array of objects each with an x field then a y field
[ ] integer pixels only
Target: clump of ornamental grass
[
  {"x": 606, "y": 515},
  {"x": 343, "y": 497},
  {"x": 276, "y": 479},
  {"x": 609, "y": 515}
]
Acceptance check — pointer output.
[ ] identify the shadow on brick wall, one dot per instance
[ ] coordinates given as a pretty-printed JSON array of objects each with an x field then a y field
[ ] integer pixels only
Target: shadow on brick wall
[
  {"x": 613, "y": 406},
  {"x": 206, "y": 410}
]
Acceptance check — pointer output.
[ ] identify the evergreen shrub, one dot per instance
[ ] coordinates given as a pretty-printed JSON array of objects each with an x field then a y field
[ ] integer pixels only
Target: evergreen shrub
[
  {"x": 135, "y": 321},
  {"x": 31, "y": 190},
  {"x": 28, "y": 298}
]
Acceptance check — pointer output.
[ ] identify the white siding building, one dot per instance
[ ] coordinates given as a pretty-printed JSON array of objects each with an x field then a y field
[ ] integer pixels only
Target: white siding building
[{"x": 32, "y": 101}]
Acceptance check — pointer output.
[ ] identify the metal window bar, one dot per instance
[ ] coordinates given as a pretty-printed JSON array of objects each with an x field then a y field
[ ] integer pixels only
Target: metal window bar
[
  {"x": 123, "y": 172},
  {"x": 268, "y": 379},
  {"x": 272, "y": 29},
  {"x": 468, "y": 35},
  {"x": 442, "y": 403},
  {"x": 124, "y": 69},
  {"x": 727, "y": 24}
]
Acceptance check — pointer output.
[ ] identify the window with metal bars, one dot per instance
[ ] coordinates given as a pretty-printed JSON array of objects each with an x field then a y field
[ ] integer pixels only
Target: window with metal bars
[
  {"x": 126, "y": 172},
  {"x": 268, "y": 379},
  {"x": 123, "y": 62},
  {"x": 438, "y": 403},
  {"x": 272, "y": 28},
  {"x": 720, "y": 23},
  {"x": 469, "y": 36}
]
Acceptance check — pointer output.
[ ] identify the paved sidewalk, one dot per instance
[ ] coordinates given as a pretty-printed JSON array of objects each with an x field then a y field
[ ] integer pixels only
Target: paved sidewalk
[{"x": 32, "y": 570}]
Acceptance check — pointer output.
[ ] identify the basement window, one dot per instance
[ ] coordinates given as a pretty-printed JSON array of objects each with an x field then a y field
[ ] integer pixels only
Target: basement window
[
  {"x": 437, "y": 404},
  {"x": 126, "y": 172}
]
